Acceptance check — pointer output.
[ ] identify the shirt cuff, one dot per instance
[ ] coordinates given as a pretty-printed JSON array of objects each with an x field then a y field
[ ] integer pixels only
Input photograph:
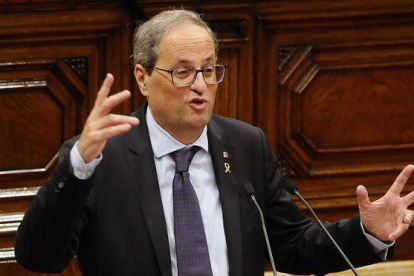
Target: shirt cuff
[
  {"x": 80, "y": 169},
  {"x": 379, "y": 247}
]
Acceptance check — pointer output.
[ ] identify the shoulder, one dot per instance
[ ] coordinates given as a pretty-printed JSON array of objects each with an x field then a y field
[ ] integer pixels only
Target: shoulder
[
  {"x": 235, "y": 130},
  {"x": 230, "y": 122}
]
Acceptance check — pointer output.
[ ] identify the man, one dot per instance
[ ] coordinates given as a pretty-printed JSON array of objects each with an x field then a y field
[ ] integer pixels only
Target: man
[{"x": 122, "y": 201}]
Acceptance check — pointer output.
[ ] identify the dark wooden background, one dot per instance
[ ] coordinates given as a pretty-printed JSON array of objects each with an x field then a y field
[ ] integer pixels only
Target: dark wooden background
[{"x": 330, "y": 82}]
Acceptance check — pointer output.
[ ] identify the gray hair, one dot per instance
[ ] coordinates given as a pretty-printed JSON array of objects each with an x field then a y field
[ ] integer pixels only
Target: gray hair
[{"x": 147, "y": 36}]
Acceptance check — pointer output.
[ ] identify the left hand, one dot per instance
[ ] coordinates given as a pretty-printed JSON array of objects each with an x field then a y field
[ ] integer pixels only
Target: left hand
[{"x": 388, "y": 217}]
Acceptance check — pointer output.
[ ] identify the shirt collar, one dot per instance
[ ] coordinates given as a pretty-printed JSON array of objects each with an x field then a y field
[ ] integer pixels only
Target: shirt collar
[{"x": 163, "y": 143}]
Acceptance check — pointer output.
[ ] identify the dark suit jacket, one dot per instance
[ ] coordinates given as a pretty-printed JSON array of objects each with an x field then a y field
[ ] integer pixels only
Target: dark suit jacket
[{"x": 114, "y": 221}]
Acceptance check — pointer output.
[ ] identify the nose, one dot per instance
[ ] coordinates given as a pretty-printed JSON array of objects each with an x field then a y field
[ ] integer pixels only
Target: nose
[{"x": 199, "y": 86}]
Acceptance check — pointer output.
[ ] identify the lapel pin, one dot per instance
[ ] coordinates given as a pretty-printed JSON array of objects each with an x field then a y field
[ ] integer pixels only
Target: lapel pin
[
  {"x": 227, "y": 166},
  {"x": 225, "y": 154}
]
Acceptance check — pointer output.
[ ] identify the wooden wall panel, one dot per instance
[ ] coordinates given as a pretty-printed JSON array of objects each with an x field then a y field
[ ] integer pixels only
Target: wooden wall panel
[
  {"x": 347, "y": 119},
  {"x": 328, "y": 81},
  {"x": 335, "y": 98},
  {"x": 53, "y": 58},
  {"x": 235, "y": 95}
]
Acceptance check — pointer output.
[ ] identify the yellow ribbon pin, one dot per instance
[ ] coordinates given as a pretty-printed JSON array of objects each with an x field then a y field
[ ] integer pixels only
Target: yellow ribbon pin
[{"x": 227, "y": 166}]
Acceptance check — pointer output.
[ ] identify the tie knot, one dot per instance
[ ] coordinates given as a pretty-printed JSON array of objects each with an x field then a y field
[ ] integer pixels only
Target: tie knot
[{"x": 183, "y": 157}]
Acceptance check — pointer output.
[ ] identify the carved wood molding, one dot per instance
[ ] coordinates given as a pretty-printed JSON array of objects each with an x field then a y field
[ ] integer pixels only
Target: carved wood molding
[
  {"x": 10, "y": 222},
  {"x": 26, "y": 64},
  {"x": 230, "y": 31},
  {"x": 50, "y": 6},
  {"x": 8, "y": 226},
  {"x": 285, "y": 168},
  {"x": 31, "y": 171},
  {"x": 286, "y": 53},
  {"x": 302, "y": 144},
  {"x": 7, "y": 255},
  {"x": 15, "y": 84},
  {"x": 17, "y": 193},
  {"x": 79, "y": 65},
  {"x": 297, "y": 67}
]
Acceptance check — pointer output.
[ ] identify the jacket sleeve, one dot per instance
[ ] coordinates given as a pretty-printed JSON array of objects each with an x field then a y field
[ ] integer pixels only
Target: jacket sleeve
[
  {"x": 49, "y": 235},
  {"x": 299, "y": 245}
]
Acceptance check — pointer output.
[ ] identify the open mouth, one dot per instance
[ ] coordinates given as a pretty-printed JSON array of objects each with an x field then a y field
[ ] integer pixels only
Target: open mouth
[{"x": 198, "y": 104}]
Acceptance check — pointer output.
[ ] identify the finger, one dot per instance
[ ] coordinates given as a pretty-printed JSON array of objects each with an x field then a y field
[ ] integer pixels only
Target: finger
[
  {"x": 408, "y": 217},
  {"x": 109, "y": 103},
  {"x": 401, "y": 229},
  {"x": 109, "y": 132},
  {"x": 362, "y": 196},
  {"x": 113, "y": 120},
  {"x": 409, "y": 199},
  {"x": 105, "y": 89},
  {"x": 402, "y": 178}
]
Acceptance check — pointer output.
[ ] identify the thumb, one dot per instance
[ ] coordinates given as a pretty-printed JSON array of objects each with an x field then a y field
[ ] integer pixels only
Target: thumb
[{"x": 362, "y": 195}]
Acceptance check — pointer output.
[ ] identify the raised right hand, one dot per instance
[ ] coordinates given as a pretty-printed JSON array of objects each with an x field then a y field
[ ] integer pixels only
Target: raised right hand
[{"x": 101, "y": 124}]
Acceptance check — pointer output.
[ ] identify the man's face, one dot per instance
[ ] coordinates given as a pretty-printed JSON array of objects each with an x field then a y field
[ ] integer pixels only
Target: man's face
[{"x": 182, "y": 110}]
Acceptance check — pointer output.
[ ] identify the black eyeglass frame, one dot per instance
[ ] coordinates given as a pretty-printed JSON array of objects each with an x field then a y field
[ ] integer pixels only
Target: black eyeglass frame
[{"x": 195, "y": 75}]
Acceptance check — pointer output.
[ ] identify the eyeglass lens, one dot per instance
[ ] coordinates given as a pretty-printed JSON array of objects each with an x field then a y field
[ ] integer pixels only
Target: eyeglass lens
[{"x": 186, "y": 76}]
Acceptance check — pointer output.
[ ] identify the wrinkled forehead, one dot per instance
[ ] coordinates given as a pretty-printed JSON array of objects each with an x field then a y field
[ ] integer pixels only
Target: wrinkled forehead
[{"x": 187, "y": 42}]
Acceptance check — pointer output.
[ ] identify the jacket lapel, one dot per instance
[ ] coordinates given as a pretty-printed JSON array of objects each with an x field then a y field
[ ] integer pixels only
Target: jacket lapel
[
  {"x": 144, "y": 176},
  {"x": 228, "y": 186}
]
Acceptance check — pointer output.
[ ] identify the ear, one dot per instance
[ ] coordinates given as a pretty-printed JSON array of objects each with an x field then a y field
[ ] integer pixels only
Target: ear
[{"x": 140, "y": 76}]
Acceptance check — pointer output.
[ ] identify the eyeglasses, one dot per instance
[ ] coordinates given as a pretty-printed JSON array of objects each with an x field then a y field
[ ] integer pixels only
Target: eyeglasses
[{"x": 184, "y": 77}]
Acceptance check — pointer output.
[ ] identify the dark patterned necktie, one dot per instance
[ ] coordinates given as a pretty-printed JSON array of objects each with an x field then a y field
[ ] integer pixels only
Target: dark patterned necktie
[{"x": 190, "y": 238}]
